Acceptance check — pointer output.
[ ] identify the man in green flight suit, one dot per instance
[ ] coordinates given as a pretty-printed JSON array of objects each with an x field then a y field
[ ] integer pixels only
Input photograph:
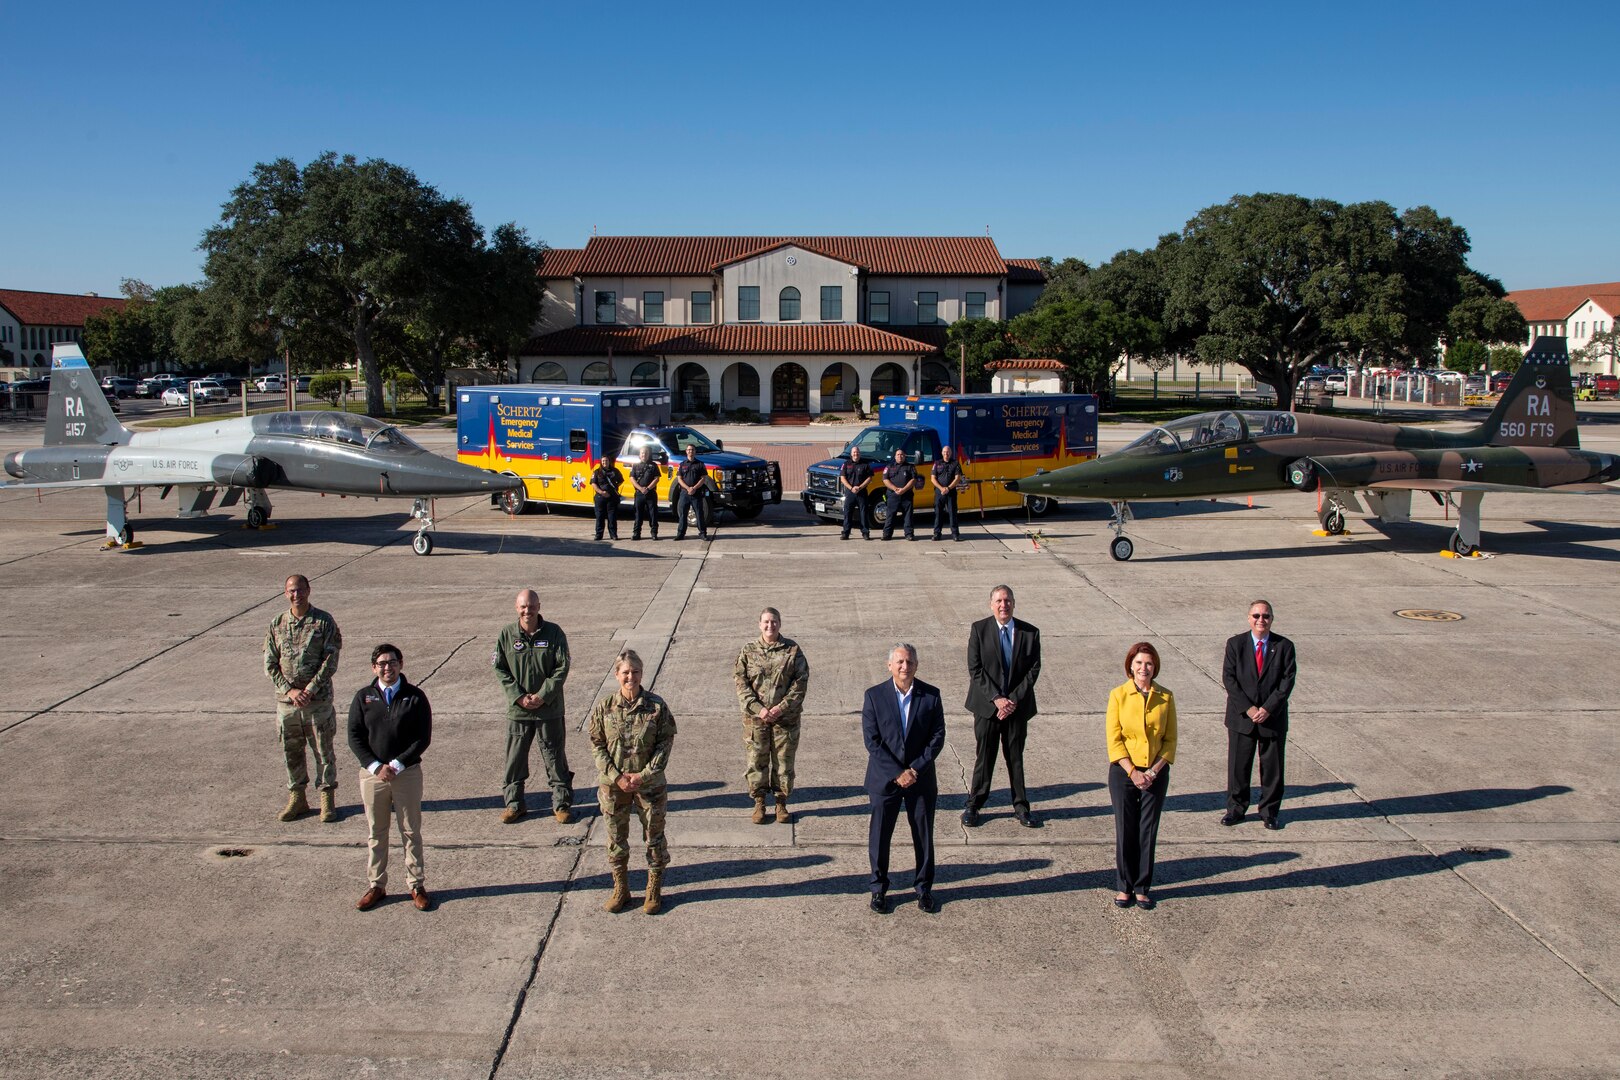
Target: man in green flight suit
[{"x": 531, "y": 662}]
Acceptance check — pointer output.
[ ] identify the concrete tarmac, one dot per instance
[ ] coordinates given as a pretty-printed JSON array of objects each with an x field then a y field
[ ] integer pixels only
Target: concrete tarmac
[{"x": 1442, "y": 901}]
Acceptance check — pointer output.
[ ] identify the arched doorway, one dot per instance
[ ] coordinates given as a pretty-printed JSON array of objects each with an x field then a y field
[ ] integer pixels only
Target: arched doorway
[
  {"x": 691, "y": 388},
  {"x": 887, "y": 379},
  {"x": 937, "y": 378},
  {"x": 790, "y": 389},
  {"x": 839, "y": 385}
]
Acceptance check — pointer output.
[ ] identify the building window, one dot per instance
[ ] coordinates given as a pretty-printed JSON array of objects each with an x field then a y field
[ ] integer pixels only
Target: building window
[
  {"x": 596, "y": 374},
  {"x": 577, "y": 442},
  {"x": 652, "y": 307},
  {"x": 878, "y": 307},
  {"x": 748, "y": 303},
  {"x": 647, "y": 374},
  {"x": 703, "y": 307},
  {"x": 607, "y": 304},
  {"x": 787, "y": 305},
  {"x": 747, "y": 381},
  {"x": 927, "y": 308},
  {"x": 975, "y": 305},
  {"x": 549, "y": 372},
  {"x": 832, "y": 303}
]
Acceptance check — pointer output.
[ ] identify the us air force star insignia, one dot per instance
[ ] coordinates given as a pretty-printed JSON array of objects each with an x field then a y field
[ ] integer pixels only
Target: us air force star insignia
[
  {"x": 1471, "y": 466},
  {"x": 1172, "y": 475}
]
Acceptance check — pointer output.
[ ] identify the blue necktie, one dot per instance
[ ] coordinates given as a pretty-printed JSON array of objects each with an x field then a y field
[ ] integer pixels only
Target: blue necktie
[
  {"x": 388, "y": 697},
  {"x": 1006, "y": 656},
  {"x": 905, "y": 718}
]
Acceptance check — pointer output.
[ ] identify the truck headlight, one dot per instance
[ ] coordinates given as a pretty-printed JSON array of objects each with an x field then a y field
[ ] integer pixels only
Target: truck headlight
[{"x": 722, "y": 478}]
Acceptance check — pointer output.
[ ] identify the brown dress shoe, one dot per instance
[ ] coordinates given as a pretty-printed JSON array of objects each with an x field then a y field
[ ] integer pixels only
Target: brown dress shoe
[
  {"x": 373, "y": 897},
  {"x": 420, "y": 897},
  {"x": 513, "y": 814}
]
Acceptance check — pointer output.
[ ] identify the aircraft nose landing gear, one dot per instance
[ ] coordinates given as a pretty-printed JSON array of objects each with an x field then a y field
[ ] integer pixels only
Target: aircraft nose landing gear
[
  {"x": 1120, "y": 547},
  {"x": 422, "y": 511}
]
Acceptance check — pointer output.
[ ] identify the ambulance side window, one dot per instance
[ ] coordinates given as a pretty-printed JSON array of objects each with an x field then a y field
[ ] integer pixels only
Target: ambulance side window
[
  {"x": 921, "y": 450},
  {"x": 577, "y": 443}
]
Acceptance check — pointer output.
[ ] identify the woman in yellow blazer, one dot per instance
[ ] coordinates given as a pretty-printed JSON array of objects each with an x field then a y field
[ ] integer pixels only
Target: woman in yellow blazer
[{"x": 1141, "y": 746}]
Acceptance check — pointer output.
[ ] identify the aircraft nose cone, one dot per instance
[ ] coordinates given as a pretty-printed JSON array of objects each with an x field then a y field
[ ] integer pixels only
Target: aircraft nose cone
[{"x": 14, "y": 464}]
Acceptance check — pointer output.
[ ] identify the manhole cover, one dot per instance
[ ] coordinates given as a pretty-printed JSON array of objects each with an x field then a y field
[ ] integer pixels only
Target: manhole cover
[
  {"x": 234, "y": 852},
  {"x": 1428, "y": 615}
]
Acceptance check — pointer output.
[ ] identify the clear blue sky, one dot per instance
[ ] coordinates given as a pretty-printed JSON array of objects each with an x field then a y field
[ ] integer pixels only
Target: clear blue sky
[{"x": 1071, "y": 129}]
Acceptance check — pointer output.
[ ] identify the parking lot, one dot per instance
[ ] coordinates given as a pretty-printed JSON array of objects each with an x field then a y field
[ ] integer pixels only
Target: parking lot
[{"x": 1442, "y": 901}]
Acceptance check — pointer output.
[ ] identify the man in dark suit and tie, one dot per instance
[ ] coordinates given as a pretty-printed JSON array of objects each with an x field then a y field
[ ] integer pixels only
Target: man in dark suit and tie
[
  {"x": 1259, "y": 675},
  {"x": 903, "y": 723},
  {"x": 1004, "y": 660}
]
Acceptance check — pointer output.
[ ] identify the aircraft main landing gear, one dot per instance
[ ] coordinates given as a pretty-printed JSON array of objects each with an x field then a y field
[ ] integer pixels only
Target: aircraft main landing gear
[
  {"x": 1459, "y": 546},
  {"x": 1120, "y": 547},
  {"x": 422, "y": 511}
]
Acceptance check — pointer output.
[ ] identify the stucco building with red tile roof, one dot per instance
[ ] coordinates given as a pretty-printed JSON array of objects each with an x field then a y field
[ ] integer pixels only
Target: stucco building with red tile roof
[
  {"x": 1575, "y": 312},
  {"x": 784, "y": 325},
  {"x": 31, "y": 322}
]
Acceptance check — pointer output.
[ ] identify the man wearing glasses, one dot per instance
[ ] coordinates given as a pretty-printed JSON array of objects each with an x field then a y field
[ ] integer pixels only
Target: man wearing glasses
[
  {"x": 1259, "y": 675},
  {"x": 390, "y": 725}
]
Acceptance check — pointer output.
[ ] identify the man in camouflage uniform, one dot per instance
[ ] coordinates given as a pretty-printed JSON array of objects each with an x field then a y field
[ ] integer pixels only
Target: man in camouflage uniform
[
  {"x": 772, "y": 676},
  {"x": 632, "y": 733},
  {"x": 301, "y": 656},
  {"x": 531, "y": 662}
]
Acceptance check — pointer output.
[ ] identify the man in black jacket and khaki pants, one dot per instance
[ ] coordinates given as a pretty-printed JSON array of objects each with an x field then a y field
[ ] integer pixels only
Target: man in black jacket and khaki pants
[
  {"x": 1258, "y": 673},
  {"x": 390, "y": 725}
]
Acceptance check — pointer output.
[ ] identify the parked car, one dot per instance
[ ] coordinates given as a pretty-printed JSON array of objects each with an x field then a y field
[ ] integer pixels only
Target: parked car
[
  {"x": 1336, "y": 384},
  {"x": 271, "y": 384},
  {"x": 176, "y": 395},
  {"x": 1500, "y": 380},
  {"x": 208, "y": 390},
  {"x": 1606, "y": 386},
  {"x": 1450, "y": 376},
  {"x": 303, "y": 384},
  {"x": 117, "y": 386},
  {"x": 1474, "y": 384}
]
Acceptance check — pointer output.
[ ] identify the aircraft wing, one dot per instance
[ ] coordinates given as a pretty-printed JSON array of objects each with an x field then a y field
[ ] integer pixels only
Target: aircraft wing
[
  {"x": 1478, "y": 485},
  {"x": 29, "y": 485}
]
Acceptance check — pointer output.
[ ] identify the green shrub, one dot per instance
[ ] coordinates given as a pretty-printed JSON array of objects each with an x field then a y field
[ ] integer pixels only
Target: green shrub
[{"x": 329, "y": 387}]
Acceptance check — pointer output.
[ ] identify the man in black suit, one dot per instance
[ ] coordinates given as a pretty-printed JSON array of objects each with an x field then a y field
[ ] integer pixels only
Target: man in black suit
[
  {"x": 903, "y": 723},
  {"x": 1259, "y": 675},
  {"x": 1004, "y": 660},
  {"x": 390, "y": 725}
]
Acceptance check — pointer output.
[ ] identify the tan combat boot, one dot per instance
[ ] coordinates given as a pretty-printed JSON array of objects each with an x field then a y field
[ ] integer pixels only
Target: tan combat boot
[
  {"x": 329, "y": 807},
  {"x": 621, "y": 889},
  {"x": 759, "y": 809},
  {"x": 782, "y": 815},
  {"x": 655, "y": 892},
  {"x": 297, "y": 805}
]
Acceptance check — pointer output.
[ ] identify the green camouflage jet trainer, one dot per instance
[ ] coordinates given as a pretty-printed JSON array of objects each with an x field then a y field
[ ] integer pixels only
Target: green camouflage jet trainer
[{"x": 1529, "y": 443}]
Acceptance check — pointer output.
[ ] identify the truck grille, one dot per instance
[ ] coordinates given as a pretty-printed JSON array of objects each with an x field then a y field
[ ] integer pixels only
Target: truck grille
[{"x": 820, "y": 481}]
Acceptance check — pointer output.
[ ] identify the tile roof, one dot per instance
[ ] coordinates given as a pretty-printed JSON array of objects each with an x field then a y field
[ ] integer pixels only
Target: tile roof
[
  {"x": 1547, "y": 305},
  {"x": 724, "y": 339},
  {"x": 1025, "y": 364},
  {"x": 975, "y": 255},
  {"x": 55, "y": 309},
  {"x": 559, "y": 262},
  {"x": 1025, "y": 272}
]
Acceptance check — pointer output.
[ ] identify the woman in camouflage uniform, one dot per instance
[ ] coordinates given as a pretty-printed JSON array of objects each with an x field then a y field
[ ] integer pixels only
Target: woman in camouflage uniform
[
  {"x": 772, "y": 677},
  {"x": 632, "y": 733}
]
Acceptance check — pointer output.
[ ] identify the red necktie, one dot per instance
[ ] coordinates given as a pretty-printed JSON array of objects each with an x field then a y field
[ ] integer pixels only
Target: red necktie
[{"x": 1259, "y": 657}]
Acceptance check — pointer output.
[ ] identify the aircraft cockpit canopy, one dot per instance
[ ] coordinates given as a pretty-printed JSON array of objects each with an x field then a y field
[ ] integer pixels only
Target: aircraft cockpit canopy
[
  {"x": 366, "y": 432},
  {"x": 1190, "y": 433}
]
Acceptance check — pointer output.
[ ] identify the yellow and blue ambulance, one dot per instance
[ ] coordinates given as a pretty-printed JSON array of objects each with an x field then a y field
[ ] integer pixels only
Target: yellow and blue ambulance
[
  {"x": 554, "y": 437},
  {"x": 995, "y": 437}
]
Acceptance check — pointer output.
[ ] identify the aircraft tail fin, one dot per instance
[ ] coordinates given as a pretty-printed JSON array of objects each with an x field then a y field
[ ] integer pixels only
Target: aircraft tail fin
[
  {"x": 78, "y": 411},
  {"x": 1538, "y": 407}
]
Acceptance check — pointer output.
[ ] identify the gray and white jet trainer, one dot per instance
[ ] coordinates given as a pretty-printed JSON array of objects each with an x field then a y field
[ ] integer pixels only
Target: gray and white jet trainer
[{"x": 331, "y": 452}]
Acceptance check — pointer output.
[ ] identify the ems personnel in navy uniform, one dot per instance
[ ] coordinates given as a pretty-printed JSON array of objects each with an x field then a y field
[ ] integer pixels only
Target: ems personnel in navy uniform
[
  {"x": 644, "y": 476},
  {"x": 947, "y": 479},
  {"x": 606, "y": 480},
  {"x": 693, "y": 480},
  {"x": 900, "y": 478},
  {"x": 531, "y": 662},
  {"x": 852, "y": 478}
]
